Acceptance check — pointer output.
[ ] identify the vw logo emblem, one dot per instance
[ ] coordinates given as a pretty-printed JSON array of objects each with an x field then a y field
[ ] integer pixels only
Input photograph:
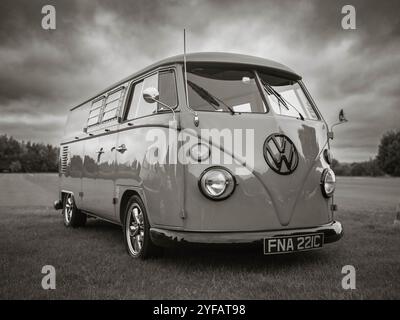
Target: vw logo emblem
[{"x": 280, "y": 153}]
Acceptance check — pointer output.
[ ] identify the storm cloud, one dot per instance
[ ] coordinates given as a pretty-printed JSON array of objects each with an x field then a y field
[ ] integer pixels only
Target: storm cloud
[{"x": 45, "y": 72}]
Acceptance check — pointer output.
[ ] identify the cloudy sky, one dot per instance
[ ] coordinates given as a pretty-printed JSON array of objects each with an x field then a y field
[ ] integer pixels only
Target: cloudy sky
[{"x": 44, "y": 72}]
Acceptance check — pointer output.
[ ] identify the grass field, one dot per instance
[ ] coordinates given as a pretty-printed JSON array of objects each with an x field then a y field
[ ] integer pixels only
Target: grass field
[{"x": 91, "y": 262}]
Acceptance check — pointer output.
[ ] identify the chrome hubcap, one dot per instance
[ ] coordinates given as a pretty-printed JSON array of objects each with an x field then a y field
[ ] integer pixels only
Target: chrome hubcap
[
  {"x": 69, "y": 207},
  {"x": 135, "y": 229}
]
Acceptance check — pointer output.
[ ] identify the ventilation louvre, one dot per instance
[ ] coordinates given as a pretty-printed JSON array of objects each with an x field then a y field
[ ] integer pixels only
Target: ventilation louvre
[{"x": 64, "y": 159}]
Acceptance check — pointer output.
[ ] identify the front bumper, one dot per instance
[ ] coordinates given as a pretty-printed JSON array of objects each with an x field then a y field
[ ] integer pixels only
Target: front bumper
[{"x": 332, "y": 231}]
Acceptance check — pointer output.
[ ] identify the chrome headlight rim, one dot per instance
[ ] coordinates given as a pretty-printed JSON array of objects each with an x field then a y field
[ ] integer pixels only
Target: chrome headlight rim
[
  {"x": 229, "y": 189},
  {"x": 325, "y": 173}
]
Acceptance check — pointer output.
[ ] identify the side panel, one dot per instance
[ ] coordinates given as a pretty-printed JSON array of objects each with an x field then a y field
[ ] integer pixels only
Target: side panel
[
  {"x": 98, "y": 181},
  {"x": 72, "y": 152},
  {"x": 71, "y": 177},
  {"x": 160, "y": 180},
  {"x": 90, "y": 168},
  {"x": 103, "y": 190}
]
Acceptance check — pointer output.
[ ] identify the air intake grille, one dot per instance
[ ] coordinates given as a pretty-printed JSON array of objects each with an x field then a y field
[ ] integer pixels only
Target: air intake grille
[{"x": 64, "y": 159}]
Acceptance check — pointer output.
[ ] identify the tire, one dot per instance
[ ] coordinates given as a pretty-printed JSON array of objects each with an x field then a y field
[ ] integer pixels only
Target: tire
[
  {"x": 137, "y": 231},
  {"x": 72, "y": 216}
]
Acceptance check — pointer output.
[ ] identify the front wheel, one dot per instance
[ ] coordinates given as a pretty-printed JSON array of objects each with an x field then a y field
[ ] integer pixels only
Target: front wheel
[
  {"x": 137, "y": 231},
  {"x": 73, "y": 217}
]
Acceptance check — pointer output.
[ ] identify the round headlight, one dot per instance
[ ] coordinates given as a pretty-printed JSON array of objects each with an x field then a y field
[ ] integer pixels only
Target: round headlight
[
  {"x": 200, "y": 152},
  {"x": 217, "y": 183},
  {"x": 328, "y": 182}
]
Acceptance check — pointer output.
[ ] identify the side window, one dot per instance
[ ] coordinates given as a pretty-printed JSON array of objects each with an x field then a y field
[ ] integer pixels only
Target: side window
[
  {"x": 138, "y": 106},
  {"x": 167, "y": 89},
  {"x": 136, "y": 93},
  {"x": 112, "y": 104},
  {"x": 95, "y": 110}
]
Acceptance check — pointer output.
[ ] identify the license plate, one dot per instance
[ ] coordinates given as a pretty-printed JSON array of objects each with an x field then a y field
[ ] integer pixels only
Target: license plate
[{"x": 285, "y": 244}]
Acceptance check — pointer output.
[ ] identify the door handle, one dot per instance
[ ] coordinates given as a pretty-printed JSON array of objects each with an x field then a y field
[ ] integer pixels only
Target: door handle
[
  {"x": 99, "y": 153},
  {"x": 121, "y": 149}
]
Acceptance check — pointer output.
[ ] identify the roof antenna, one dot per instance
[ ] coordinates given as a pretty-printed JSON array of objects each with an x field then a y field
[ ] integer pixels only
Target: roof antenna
[{"x": 196, "y": 117}]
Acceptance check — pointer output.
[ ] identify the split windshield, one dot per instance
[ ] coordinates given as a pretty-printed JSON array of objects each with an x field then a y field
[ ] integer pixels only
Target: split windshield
[
  {"x": 237, "y": 91},
  {"x": 224, "y": 90},
  {"x": 287, "y": 98}
]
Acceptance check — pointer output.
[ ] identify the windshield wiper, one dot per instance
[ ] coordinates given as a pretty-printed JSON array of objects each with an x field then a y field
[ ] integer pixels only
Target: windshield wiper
[
  {"x": 207, "y": 96},
  {"x": 280, "y": 99}
]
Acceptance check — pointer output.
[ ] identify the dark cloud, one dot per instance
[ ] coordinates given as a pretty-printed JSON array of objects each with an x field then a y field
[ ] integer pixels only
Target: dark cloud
[{"x": 43, "y": 73}]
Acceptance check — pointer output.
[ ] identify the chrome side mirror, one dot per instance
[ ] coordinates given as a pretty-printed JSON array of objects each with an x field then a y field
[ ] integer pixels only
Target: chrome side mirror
[{"x": 151, "y": 95}]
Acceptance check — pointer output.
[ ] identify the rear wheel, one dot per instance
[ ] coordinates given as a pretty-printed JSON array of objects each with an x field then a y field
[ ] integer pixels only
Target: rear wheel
[
  {"x": 72, "y": 216},
  {"x": 137, "y": 231}
]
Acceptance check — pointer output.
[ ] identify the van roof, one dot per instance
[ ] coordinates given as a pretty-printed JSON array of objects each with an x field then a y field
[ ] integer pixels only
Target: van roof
[
  {"x": 231, "y": 58},
  {"x": 215, "y": 58}
]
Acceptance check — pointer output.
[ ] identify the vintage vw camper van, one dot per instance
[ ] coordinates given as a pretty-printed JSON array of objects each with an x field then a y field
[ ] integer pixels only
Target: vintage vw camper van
[{"x": 207, "y": 148}]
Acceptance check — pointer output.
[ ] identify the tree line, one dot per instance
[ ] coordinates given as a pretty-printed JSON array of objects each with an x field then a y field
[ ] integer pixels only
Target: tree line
[
  {"x": 16, "y": 156},
  {"x": 365, "y": 168},
  {"x": 386, "y": 162},
  {"x": 28, "y": 156}
]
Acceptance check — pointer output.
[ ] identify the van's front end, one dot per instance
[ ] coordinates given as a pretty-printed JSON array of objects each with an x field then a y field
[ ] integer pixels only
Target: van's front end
[{"x": 259, "y": 167}]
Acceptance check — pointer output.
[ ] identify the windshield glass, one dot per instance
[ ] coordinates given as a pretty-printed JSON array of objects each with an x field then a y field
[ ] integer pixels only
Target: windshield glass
[
  {"x": 287, "y": 98},
  {"x": 223, "y": 90}
]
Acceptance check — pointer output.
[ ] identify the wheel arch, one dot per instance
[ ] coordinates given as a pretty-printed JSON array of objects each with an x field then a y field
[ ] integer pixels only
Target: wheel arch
[
  {"x": 124, "y": 202},
  {"x": 64, "y": 194}
]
